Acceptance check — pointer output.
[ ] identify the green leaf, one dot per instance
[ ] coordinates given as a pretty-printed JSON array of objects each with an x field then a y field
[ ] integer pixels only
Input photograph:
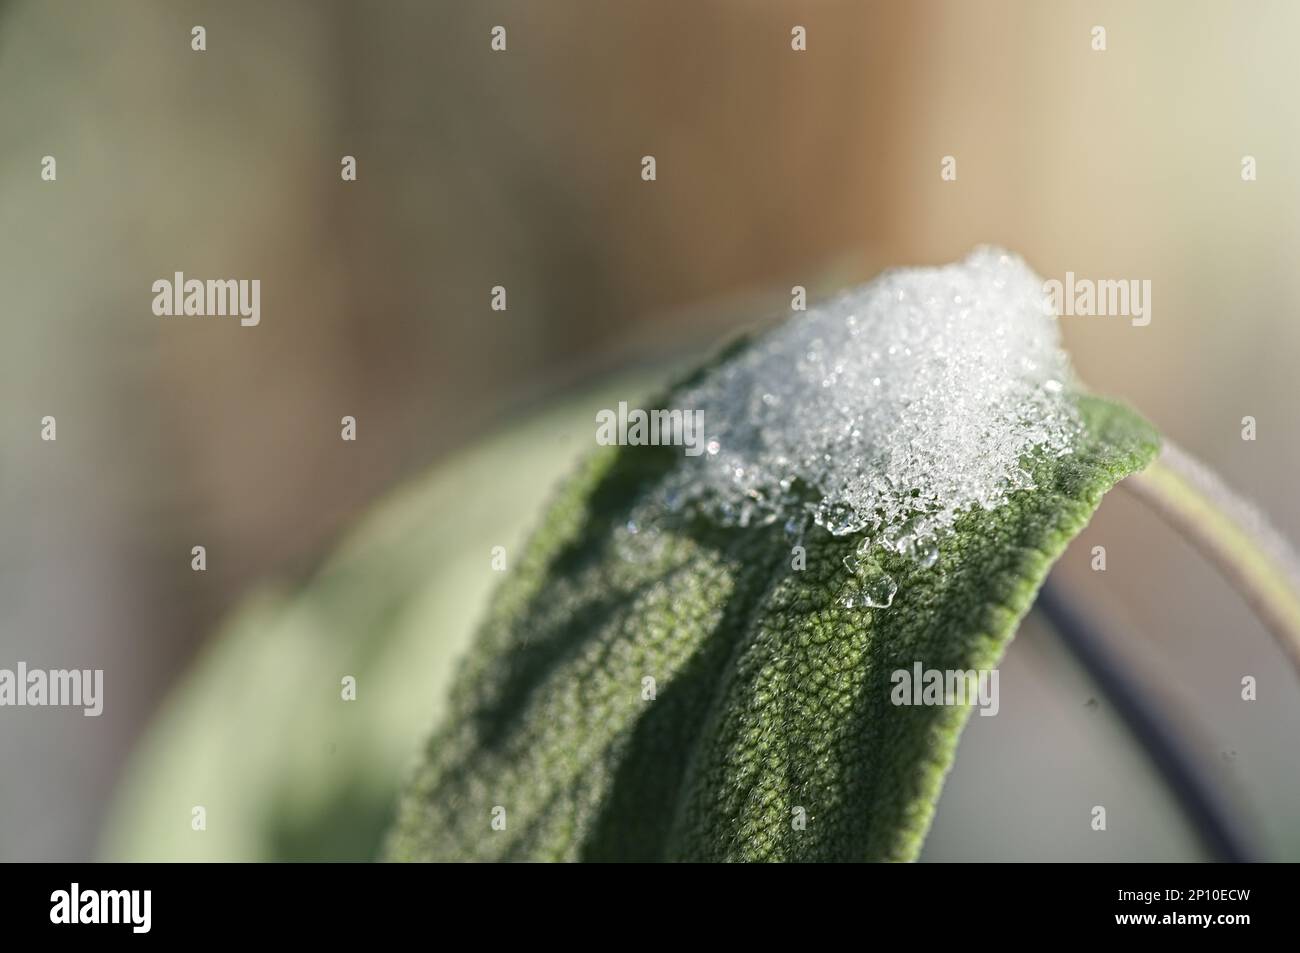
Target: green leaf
[
  {"x": 256, "y": 731},
  {"x": 769, "y": 696}
]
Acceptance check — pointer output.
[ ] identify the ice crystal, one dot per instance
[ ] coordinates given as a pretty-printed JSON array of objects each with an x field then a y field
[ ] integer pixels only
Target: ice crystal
[{"x": 890, "y": 409}]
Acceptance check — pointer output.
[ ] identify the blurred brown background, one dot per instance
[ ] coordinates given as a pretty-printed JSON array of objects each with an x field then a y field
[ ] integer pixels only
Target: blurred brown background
[{"x": 522, "y": 169}]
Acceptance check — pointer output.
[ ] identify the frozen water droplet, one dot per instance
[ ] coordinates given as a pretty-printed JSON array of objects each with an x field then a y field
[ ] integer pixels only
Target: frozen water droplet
[
  {"x": 873, "y": 589},
  {"x": 839, "y": 519},
  {"x": 879, "y": 591}
]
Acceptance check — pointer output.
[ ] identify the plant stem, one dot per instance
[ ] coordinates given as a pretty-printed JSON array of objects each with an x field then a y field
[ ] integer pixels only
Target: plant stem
[
  {"x": 1209, "y": 809},
  {"x": 1229, "y": 532}
]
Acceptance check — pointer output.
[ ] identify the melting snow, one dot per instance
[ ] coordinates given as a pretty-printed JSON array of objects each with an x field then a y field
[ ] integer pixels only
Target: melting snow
[{"x": 892, "y": 408}]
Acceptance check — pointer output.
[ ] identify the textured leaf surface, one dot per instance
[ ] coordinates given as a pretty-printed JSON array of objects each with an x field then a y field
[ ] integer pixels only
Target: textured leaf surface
[{"x": 769, "y": 695}]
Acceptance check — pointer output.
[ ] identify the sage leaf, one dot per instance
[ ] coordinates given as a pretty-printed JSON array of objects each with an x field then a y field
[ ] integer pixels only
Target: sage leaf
[{"x": 680, "y": 692}]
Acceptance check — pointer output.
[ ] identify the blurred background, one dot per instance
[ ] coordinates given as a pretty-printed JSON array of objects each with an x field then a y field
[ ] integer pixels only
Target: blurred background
[{"x": 522, "y": 169}]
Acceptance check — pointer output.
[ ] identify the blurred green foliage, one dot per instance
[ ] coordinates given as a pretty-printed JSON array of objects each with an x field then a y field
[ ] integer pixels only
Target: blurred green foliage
[{"x": 258, "y": 734}]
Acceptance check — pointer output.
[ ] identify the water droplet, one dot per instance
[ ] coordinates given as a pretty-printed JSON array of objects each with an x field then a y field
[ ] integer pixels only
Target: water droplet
[
  {"x": 879, "y": 592},
  {"x": 876, "y": 592},
  {"x": 839, "y": 519}
]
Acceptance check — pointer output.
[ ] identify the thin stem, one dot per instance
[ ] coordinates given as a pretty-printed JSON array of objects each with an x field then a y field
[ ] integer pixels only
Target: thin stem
[
  {"x": 1230, "y": 533},
  {"x": 1208, "y": 808}
]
